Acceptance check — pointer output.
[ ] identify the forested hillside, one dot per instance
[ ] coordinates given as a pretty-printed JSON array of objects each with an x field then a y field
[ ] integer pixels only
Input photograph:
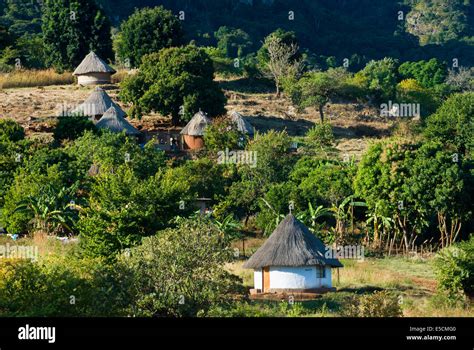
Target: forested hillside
[{"x": 357, "y": 30}]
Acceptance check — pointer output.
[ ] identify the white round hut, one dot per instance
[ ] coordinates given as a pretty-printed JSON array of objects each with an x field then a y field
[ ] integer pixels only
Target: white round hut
[
  {"x": 94, "y": 71},
  {"x": 292, "y": 259}
]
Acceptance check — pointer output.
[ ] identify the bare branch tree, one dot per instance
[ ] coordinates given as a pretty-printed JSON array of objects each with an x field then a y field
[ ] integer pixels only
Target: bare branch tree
[{"x": 281, "y": 61}]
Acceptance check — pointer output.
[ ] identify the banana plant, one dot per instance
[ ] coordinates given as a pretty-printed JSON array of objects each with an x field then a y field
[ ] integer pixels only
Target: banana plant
[
  {"x": 229, "y": 227},
  {"x": 343, "y": 212},
  {"x": 50, "y": 210}
]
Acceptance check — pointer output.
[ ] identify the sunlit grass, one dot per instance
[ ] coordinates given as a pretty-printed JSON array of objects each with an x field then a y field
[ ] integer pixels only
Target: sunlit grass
[{"x": 32, "y": 78}]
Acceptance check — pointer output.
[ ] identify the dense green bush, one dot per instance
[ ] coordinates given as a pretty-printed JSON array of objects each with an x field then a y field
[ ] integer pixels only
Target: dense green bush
[
  {"x": 59, "y": 286},
  {"x": 222, "y": 134},
  {"x": 320, "y": 135},
  {"x": 124, "y": 208},
  {"x": 455, "y": 269},
  {"x": 11, "y": 130},
  {"x": 180, "y": 272},
  {"x": 70, "y": 128}
]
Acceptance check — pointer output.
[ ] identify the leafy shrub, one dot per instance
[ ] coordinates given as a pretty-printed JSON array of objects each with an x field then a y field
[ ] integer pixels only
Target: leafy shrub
[
  {"x": 124, "y": 208},
  {"x": 70, "y": 128},
  {"x": 455, "y": 269},
  {"x": 180, "y": 272},
  {"x": 222, "y": 134},
  {"x": 58, "y": 286},
  {"x": 321, "y": 135},
  {"x": 11, "y": 130},
  {"x": 378, "y": 304}
]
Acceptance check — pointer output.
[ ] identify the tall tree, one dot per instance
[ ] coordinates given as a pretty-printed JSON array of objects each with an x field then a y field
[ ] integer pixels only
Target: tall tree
[
  {"x": 73, "y": 28},
  {"x": 177, "y": 82},
  {"x": 279, "y": 57},
  {"x": 146, "y": 31}
]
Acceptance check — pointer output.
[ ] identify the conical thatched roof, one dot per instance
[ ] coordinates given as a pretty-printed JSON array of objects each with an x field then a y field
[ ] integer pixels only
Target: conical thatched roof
[
  {"x": 242, "y": 125},
  {"x": 93, "y": 64},
  {"x": 112, "y": 121},
  {"x": 196, "y": 125},
  {"x": 291, "y": 244},
  {"x": 96, "y": 104}
]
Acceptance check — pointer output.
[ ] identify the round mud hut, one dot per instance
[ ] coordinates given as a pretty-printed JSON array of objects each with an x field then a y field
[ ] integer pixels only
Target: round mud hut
[
  {"x": 95, "y": 106},
  {"x": 292, "y": 259},
  {"x": 112, "y": 121},
  {"x": 93, "y": 70},
  {"x": 242, "y": 125},
  {"x": 193, "y": 132}
]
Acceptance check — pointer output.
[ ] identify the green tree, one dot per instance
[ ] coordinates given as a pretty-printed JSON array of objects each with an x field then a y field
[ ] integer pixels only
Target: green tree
[
  {"x": 379, "y": 78},
  {"x": 124, "y": 208},
  {"x": 71, "y": 29},
  {"x": 177, "y": 82},
  {"x": 427, "y": 73},
  {"x": 279, "y": 58},
  {"x": 146, "y": 31},
  {"x": 453, "y": 124},
  {"x": 233, "y": 42},
  {"x": 315, "y": 89},
  {"x": 440, "y": 183}
]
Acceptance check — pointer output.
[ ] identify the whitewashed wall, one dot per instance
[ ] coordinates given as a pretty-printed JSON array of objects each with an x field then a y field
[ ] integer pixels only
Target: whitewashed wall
[
  {"x": 295, "y": 278},
  {"x": 94, "y": 79},
  {"x": 257, "y": 279}
]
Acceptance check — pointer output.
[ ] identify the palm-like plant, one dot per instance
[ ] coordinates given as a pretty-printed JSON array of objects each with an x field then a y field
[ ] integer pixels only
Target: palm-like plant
[
  {"x": 229, "y": 227},
  {"x": 343, "y": 212},
  {"x": 51, "y": 209}
]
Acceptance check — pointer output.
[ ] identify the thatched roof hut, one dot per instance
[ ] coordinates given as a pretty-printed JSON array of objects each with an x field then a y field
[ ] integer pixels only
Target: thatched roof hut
[
  {"x": 96, "y": 105},
  {"x": 112, "y": 121},
  {"x": 94, "y": 70},
  {"x": 292, "y": 258},
  {"x": 193, "y": 132},
  {"x": 242, "y": 125}
]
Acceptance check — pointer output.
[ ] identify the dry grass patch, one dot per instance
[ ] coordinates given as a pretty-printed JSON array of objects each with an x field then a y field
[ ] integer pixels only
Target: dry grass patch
[{"x": 33, "y": 78}]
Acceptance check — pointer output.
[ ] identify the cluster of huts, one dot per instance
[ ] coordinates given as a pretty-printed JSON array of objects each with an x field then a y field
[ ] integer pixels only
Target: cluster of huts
[
  {"x": 292, "y": 259},
  {"x": 107, "y": 114}
]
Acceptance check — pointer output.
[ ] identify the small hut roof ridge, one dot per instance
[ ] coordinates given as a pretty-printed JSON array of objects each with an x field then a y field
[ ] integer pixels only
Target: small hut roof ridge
[
  {"x": 93, "y": 64},
  {"x": 291, "y": 244},
  {"x": 96, "y": 104},
  {"x": 112, "y": 121},
  {"x": 242, "y": 125},
  {"x": 196, "y": 125}
]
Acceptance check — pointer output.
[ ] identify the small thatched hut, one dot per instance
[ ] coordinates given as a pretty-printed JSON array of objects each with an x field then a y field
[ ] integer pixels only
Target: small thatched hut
[
  {"x": 95, "y": 106},
  {"x": 112, "y": 121},
  {"x": 292, "y": 259},
  {"x": 242, "y": 125},
  {"x": 93, "y": 71},
  {"x": 193, "y": 132}
]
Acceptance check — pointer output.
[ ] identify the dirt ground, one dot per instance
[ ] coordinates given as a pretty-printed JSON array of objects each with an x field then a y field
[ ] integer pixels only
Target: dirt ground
[{"x": 354, "y": 124}]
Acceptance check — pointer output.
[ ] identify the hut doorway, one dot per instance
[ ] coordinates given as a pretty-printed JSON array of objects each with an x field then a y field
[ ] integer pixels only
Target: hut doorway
[{"x": 266, "y": 279}]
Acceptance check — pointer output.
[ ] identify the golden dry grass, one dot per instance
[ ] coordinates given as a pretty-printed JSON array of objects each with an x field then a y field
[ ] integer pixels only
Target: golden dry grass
[{"x": 33, "y": 78}]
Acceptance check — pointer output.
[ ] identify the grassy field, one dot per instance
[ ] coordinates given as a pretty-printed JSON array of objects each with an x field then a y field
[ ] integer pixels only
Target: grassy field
[
  {"x": 412, "y": 280},
  {"x": 33, "y": 97}
]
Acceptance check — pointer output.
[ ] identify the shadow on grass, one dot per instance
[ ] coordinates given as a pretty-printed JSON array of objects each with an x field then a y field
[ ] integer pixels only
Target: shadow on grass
[
  {"x": 297, "y": 127},
  {"x": 356, "y": 132},
  {"x": 248, "y": 86}
]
